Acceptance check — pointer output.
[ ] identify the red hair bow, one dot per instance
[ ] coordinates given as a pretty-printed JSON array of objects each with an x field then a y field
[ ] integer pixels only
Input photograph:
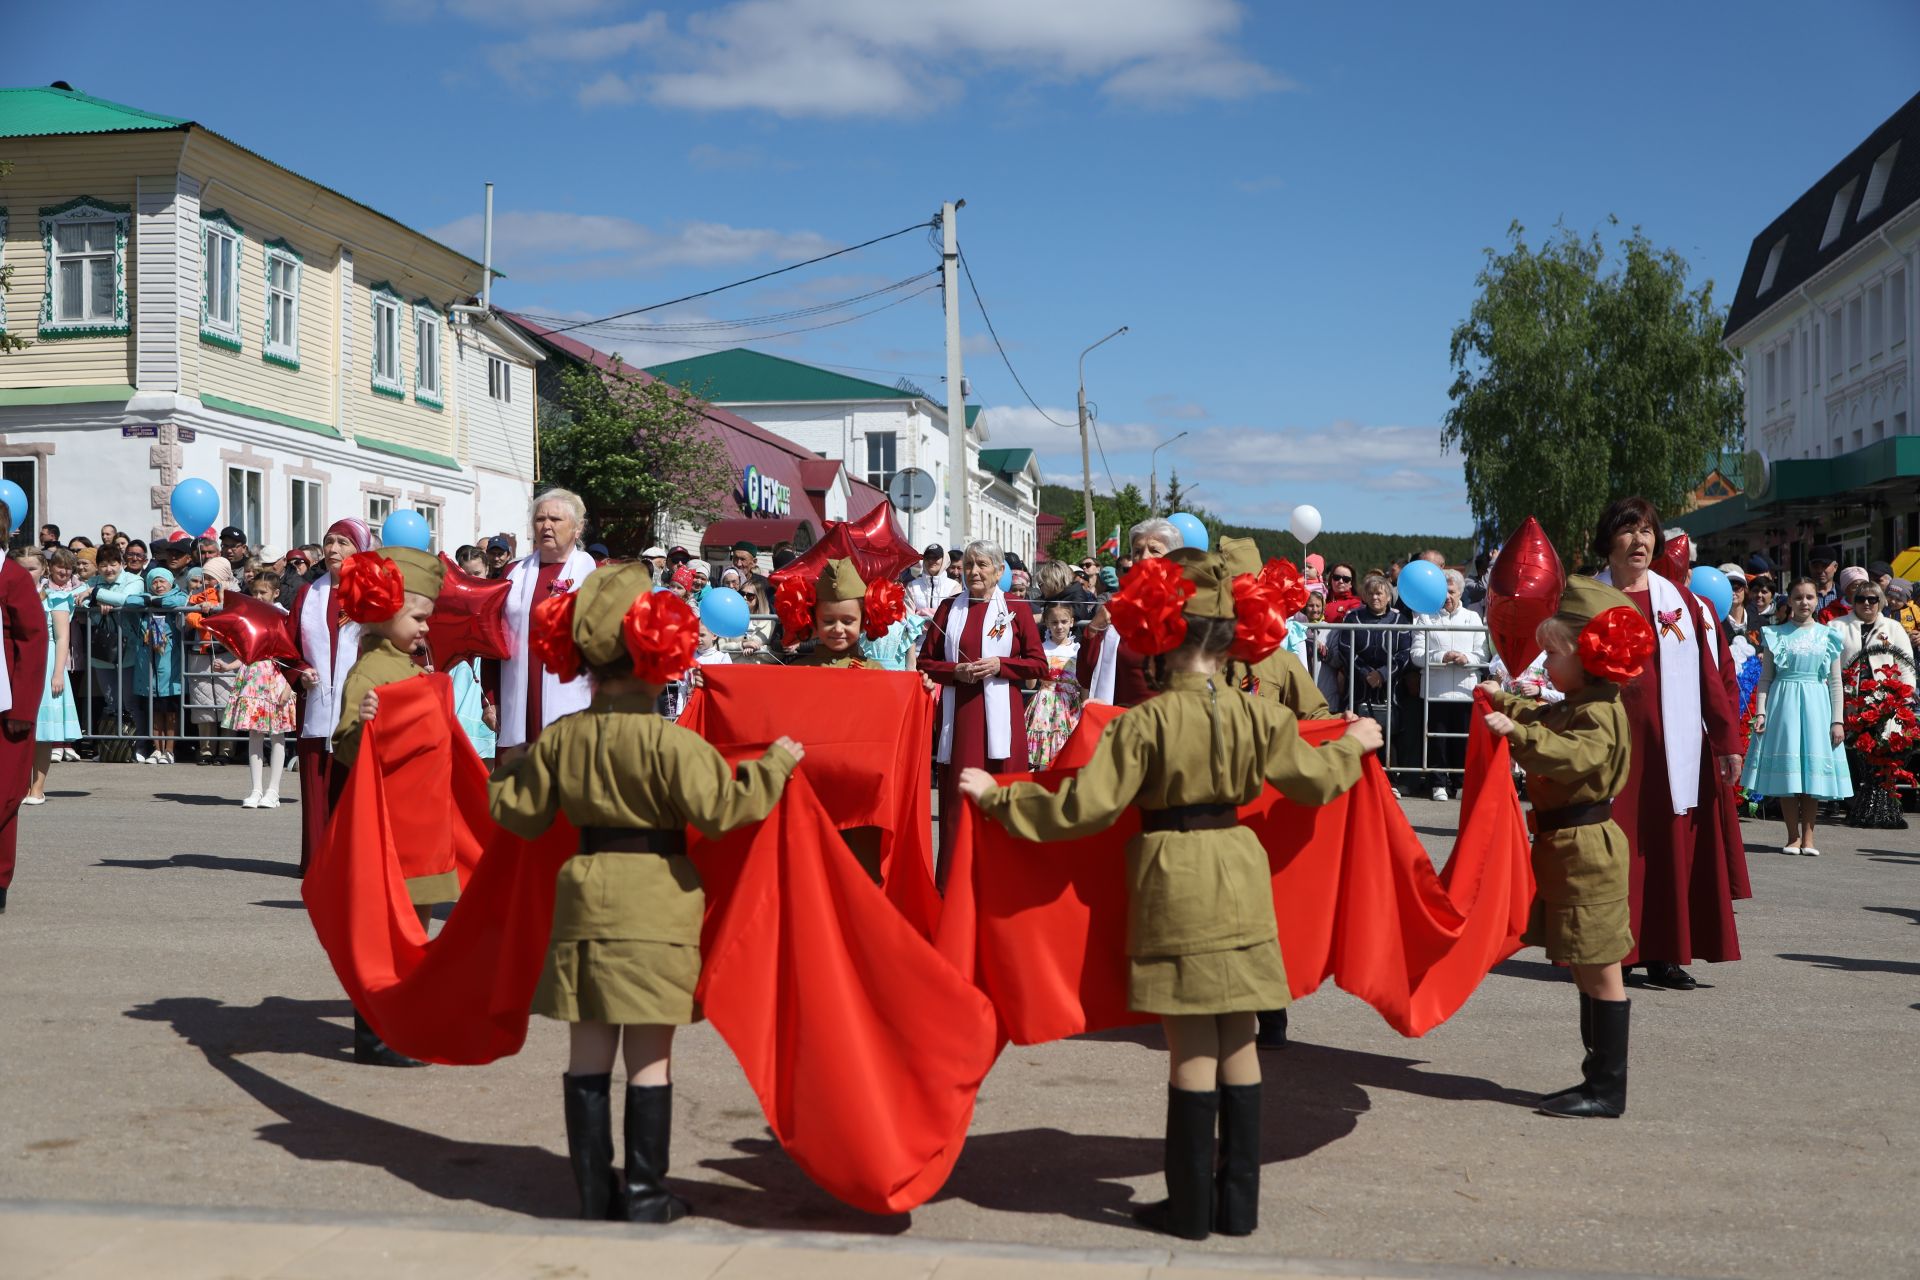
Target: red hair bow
[
  {"x": 1283, "y": 578},
  {"x": 372, "y": 588},
  {"x": 1259, "y": 618},
  {"x": 793, "y": 602},
  {"x": 1616, "y": 644},
  {"x": 1149, "y": 610},
  {"x": 662, "y": 632},
  {"x": 886, "y": 604},
  {"x": 550, "y": 636}
]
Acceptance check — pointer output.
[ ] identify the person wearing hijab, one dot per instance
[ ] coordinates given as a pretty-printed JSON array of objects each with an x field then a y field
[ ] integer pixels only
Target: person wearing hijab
[{"x": 329, "y": 644}]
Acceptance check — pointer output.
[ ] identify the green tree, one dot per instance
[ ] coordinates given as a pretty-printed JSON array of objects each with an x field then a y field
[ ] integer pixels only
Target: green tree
[
  {"x": 8, "y": 341},
  {"x": 1580, "y": 379},
  {"x": 637, "y": 449}
]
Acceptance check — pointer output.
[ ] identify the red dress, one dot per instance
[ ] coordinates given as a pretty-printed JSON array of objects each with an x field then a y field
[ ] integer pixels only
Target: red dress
[
  {"x": 1130, "y": 687},
  {"x": 26, "y": 654},
  {"x": 1026, "y": 661},
  {"x": 1687, "y": 868}
]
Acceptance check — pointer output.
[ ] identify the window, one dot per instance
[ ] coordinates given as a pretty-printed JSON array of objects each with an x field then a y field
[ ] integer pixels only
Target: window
[
  {"x": 282, "y": 346},
  {"x": 1897, "y": 302},
  {"x": 499, "y": 379},
  {"x": 220, "y": 241},
  {"x": 1786, "y": 370},
  {"x": 426, "y": 354},
  {"x": 1835, "y": 333},
  {"x": 386, "y": 342},
  {"x": 379, "y": 507},
  {"x": 1813, "y": 361},
  {"x": 430, "y": 512},
  {"x": 1837, "y": 215},
  {"x": 1879, "y": 431},
  {"x": 243, "y": 503},
  {"x": 86, "y": 244},
  {"x": 1876, "y": 319},
  {"x": 306, "y": 503},
  {"x": 1877, "y": 180},
  {"x": 1773, "y": 378},
  {"x": 25, "y": 472},
  {"x": 881, "y": 449},
  {"x": 1773, "y": 264},
  {"x": 1854, "y": 334}
]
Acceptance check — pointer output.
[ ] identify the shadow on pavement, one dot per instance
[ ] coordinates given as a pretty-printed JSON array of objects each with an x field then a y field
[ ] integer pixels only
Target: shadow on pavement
[
  {"x": 197, "y": 798},
  {"x": 286, "y": 904},
  {"x": 1533, "y": 970},
  {"x": 207, "y": 862},
  {"x": 1853, "y": 964},
  {"x": 1911, "y": 914},
  {"x": 1889, "y": 855}
]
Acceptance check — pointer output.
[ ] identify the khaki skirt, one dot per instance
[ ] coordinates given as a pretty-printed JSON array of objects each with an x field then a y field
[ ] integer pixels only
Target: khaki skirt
[
  {"x": 1239, "y": 980},
  {"x": 1580, "y": 912},
  {"x": 620, "y": 981}
]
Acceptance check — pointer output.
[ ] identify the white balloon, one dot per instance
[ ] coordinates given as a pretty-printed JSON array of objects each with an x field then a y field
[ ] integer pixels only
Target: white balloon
[{"x": 1305, "y": 523}]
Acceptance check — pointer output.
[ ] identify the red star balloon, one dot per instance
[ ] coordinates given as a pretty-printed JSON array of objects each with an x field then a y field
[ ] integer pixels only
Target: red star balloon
[
  {"x": 1675, "y": 562},
  {"x": 252, "y": 629},
  {"x": 1523, "y": 589},
  {"x": 469, "y": 619}
]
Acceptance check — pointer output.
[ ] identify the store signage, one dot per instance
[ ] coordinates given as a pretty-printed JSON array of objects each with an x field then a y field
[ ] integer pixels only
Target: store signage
[{"x": 765, "y": 496}]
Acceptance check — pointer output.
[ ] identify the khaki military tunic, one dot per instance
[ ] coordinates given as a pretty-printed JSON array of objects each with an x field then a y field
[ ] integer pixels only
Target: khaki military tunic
[
  {"x": 625, "y": 946},
  {"x": 846, "y": 661},
  {"x": 1282, "y": 679},
  {"x": 1576, "y": 752},
  {"x": 381, "y": 662},
  {"x": 1200, "y": 929}
]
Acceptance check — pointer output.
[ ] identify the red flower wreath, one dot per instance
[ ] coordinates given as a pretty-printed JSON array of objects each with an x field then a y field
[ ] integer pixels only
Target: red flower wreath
[
  {"x": 793, "y": 603},
  {"x": 372, "y": 588},
  {"x": 886, "y": 604},
  {"x": 550, "y": 636},
  {"x": 1616, "y": 644},
  {"x": 1259, "y": 618},
  {"x": 1149, "y": 610},
  {"x": 662, "y": 632}
]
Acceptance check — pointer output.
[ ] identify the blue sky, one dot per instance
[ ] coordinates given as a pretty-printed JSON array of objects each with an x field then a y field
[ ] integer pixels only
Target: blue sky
[{"x": 1286, "y": 202}]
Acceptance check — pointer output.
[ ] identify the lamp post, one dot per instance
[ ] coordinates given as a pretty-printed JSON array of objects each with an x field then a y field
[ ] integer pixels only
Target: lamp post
[
  {"x": 1086, "y": 463},
  {"x": 1153, "y": 482}
]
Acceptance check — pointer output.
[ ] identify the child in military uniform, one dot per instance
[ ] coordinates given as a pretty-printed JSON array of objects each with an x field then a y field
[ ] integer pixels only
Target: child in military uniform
[
  {"x": 836, "y": 607},
  {"x": 1201, "y": 937},
  {"x": 1576, "y": 753},
  {"x": 624, "y": 957}
]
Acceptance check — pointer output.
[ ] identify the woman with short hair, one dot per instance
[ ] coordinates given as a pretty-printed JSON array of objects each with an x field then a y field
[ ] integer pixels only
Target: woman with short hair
[
  {"x": 530, "y": 697},
  {"x": 1107, "y": 669}
]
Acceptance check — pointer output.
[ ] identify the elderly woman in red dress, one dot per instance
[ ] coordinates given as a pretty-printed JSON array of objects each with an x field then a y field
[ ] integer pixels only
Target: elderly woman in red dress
[
  {"x": 1108, "y": 670},
  {"x": 1689, "y": 862},
  {"x": 981, "y": 649}
]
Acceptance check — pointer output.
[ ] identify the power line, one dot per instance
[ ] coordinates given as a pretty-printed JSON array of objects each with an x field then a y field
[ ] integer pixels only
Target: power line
[
  {"x": 1093, "y": 421},
  {"x": 811, "y": 328},
  {"x": 764, "y": 275},
  {"x": 746, "y": 322},
  {"x": 1002, "y": 349}
]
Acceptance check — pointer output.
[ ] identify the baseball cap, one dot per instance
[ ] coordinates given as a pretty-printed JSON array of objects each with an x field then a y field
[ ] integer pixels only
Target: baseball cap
[
  {"x": 933, "y": 549},
  {"x": 1757, "y": 563},
  {"x": 1824, "y": 555},
  {"x": 1879, "y": 569},
  {"x": 1734, "y": 572},
  {"x": 233, "y": 533},
  {"x": 651, "y": 552},
  {"x": 498, "y": 544},
  {"x": 599, "y": 551},
  {"x": 679, "y": 555}
]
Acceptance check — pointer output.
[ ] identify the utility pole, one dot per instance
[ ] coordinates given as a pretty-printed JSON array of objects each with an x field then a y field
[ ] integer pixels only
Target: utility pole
[
  {"x": 1153, "y": 482},
  {"x": 1086, "y": 463},
  {"x": 957, "y": 479}
]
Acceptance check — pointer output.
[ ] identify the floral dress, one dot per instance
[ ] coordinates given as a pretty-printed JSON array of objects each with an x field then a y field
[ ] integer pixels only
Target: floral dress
[
  {"x": 263, "y": 701},
  {"x": 1055, "y": 710},
  {"x": 58, "y": 720}
]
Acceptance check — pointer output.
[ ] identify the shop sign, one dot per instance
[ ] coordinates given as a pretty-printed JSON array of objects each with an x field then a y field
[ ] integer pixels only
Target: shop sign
[{"x": 764, "y": 495}]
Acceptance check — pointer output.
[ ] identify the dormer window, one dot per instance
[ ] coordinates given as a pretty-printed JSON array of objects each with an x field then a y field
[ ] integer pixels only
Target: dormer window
[
  {"x": 1837, "y": 216},
  {"x": 1773, "y": 264},
  {"x": 1877, "y": 180}
]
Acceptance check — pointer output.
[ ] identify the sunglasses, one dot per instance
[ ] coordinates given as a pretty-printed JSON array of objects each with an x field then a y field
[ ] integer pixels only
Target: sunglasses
[
  {"x": 1341, "y": 577},
  {"x": 1874, "y": 600}
]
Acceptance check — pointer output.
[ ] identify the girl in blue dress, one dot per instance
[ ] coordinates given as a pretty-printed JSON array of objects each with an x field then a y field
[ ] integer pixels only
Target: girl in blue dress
[
  {"x": 58, "y": 724},
  {"x": 157, "y": 679},
  {"x": 1798, "y": 719}
]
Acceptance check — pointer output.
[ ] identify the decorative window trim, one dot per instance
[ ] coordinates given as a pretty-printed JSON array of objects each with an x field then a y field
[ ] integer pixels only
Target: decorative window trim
[
  {"x": 435, "y": 399},
  {"x": 212, "y": 332},
  {"x": 89, "y": 209},
  {"x": 395, "y": 387},
  {"x": 286, "y": 355},
  {"x": 3, "y": 265}
]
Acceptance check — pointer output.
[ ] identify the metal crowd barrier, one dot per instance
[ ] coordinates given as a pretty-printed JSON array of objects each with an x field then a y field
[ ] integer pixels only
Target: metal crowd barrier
[
  {"x": 112, "y": 677},
  {"x": 1389, "y": 704}
]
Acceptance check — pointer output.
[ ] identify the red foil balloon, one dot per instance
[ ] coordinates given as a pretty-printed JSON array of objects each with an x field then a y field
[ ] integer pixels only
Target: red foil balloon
[
  {"x": 1675, "y": 562},
  {"x": 469, "y": 619},
  {"x": 252, "y": 630},
  {"x": 1523, "y": 590},
  {"x": 873, "y": 542}
]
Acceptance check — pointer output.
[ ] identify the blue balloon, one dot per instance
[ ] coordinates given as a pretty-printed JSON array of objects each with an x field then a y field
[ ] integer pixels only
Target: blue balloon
[
  {"x": 195, "y": 505},
  {"x": 1712, "y": 586},
  {"x": 1006, "y": 578},
  {"x": 724, "y": 611},
  {"x": 1192, "y": 531},
  {"x": 406, "y": 528},
  {"x": 1423, "y": 586},
  {"x": 16, "y": 499}
]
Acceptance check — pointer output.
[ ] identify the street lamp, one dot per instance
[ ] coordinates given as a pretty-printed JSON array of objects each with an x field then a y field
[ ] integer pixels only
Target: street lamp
[
  {"x": 1086, "y": 463},
  {"x": 1153, "y": 483}
]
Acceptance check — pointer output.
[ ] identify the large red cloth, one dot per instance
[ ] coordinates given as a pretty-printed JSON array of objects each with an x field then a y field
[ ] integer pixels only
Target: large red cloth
[
  {"x": 26, "y": 653},
  {"x": 866, "y": 1043},
  {"x": 1687, "y": 869},
  {"x": 868, "y": 768}
]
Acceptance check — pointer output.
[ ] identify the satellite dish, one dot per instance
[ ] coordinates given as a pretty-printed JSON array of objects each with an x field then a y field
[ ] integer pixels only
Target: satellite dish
[{"x": 911, "y": 490}]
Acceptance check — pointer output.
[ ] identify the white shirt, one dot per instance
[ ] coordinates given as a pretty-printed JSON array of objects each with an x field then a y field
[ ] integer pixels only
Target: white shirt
[
  {"x": 1461, "y": 631},
  {"x": 924, "y": 593}
]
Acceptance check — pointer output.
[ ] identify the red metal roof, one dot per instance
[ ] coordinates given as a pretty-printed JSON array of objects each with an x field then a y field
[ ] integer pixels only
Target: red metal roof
[
  {"x": 818, "y": 473},
  {"x": 862, "y": 498},
  {"x": 761, "y": 533}
]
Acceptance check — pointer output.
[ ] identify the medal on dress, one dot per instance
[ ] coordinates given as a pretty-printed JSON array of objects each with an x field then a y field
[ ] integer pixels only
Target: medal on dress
[{"x": 1670, "y": 624}]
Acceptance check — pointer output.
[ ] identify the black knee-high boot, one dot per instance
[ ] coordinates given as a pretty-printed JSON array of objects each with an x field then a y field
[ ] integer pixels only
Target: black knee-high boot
[
  {"x": 1273, "y": 1030},
  {"x": 1586, "y": 1043},
  {"x": 1187, "y": 1212},
  {"x": 1236, "y": 1193},
  {"x": 1605, "y": 1091},
  {"x": 370, "y": 1050},
  {"x": 589, "y": 1108},
  {"x": 649, "y": 1131}
]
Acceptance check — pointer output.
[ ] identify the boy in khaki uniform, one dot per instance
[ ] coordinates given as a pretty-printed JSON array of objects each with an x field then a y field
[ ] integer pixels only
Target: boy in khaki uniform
[
  {"x": 1576, "y": 755},
  {"x": 839, "y": 609},
  {"x": 624, "y": 955},
  {"x": 1203, "y": 945}
]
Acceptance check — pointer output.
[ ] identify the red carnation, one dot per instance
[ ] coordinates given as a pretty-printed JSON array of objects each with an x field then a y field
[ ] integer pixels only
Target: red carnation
[
  {"x": 550, "y": 636},
  {"x": 793, "y": 602},
  {"x": 886, "y": 604},
  {"x": 372, "y": 588},
  {"x": 662, "y": 633},
  {"x": 1149, "y": 610}
]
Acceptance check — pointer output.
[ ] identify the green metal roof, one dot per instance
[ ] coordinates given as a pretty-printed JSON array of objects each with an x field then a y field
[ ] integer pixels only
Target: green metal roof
[
  {"x": 740, "y": 376},
  {"x": 49, "y": 112},
  {"x": 1005, "y": 462},
  {"x": 1812, "y": 480}
]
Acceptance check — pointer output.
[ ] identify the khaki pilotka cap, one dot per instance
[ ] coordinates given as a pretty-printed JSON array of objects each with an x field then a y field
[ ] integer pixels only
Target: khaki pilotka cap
[
  {"x": 421, "y": 572},
  {"x": 839, "y": 581},
  {"x": 600, "y": 610},
  {"x": 1212, "y": 575},
  {"x": 1586, "y": 599}
]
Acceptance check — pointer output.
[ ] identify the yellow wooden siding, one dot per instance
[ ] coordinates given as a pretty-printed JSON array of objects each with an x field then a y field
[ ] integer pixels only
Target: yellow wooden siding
[
  {"x": 53, "y": 171},
  {"x": 497, "y": 436},
  {"x": 246, "y": 375},
  {"x": 381, "y": 417}
]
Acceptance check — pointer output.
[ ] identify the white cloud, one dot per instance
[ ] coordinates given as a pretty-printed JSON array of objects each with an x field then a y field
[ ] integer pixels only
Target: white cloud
[
  {"x": 1169, "y": 406},
  {"x": 538, "y": 245},
  {"x": 1210, "y": 75},
  {"x": 536, "y": 56}
]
